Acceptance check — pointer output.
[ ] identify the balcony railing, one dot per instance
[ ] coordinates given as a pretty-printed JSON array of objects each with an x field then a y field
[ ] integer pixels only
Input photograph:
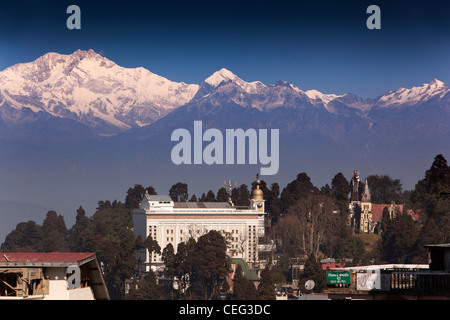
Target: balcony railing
[{"x": 431, "y": 282}]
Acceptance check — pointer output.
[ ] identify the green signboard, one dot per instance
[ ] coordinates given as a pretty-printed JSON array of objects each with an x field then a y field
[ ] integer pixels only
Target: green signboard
[{"x": 338, "y": 277}]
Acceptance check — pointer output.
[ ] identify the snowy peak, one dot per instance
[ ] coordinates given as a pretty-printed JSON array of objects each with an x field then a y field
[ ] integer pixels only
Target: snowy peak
[
  {"x": 437, "y": 83},
  {"x": 223, "y": 75},
  {"x": 414, "y": 95},
  {"x": 90, "y": 89},
  {"x": 325, "y": 98},
  {"x": 86, "y": 87}
]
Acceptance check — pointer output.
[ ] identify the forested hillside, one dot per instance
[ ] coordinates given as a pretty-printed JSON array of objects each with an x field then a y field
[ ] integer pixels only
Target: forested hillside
[{"x": 306, "y": 221}]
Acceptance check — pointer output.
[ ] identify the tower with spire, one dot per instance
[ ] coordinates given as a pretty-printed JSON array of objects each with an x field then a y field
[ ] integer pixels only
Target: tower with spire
[
  {"x": 366, "y": 225},
  {"x": 257, "y": 197},
  {"x": 365, "y": 216}
]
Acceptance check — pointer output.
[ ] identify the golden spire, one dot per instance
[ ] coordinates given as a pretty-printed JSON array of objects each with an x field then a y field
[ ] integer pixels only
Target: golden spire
[{"x": 257, "y": 193}]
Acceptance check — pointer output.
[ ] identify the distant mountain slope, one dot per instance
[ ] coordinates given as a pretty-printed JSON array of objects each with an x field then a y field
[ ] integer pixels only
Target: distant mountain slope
[
  {"x": 86, "y": 94},
  {"x": 89, "y": 89}
]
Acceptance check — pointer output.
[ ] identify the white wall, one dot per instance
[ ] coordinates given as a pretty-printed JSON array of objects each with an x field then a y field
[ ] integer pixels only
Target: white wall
[{"x": 58, "y": 287}]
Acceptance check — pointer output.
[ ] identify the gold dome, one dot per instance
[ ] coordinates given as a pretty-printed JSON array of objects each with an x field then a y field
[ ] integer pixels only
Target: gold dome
[{"x": 257, "y": 193}]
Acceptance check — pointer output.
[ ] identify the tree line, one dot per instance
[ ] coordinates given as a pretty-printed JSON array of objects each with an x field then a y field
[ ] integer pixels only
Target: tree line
[{"x": 306, "y": 222}]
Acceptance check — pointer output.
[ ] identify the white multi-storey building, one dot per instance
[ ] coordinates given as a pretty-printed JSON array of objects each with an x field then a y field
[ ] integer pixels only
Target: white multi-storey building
[{"x": 172, "y": 222}]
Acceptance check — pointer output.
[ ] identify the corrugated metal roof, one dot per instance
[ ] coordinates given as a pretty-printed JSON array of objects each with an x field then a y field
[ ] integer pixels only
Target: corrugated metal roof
[
  {"x": 162, "y": 198},
  {"x": 195, "y": 205},
  {"x": 44, "y": 256}
]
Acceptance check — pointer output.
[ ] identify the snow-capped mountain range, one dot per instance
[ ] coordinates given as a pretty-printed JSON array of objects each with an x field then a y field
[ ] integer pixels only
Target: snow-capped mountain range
[
  {"x": 92, "y": 90},
  {"x": 89, "y": 88},
  {"x": 79, "y": 128}
]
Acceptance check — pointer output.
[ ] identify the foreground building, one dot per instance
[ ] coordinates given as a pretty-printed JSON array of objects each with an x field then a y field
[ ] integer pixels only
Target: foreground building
[
  {"x": 44, "y": 276},
  {"x": 394, "y": 281},
  {"x": 172, "y": 222}
]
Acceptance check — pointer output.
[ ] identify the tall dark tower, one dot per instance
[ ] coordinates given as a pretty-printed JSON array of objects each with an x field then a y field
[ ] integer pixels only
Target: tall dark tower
[
  {"x": 355, "y": 203},
  {"x": 355, "y": 186}
]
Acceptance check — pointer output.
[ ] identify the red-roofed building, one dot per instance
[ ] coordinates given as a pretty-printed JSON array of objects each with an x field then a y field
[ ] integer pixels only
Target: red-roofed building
[
  {"x": 393, "y": 209},
  {"x": 51, "y": 276}
]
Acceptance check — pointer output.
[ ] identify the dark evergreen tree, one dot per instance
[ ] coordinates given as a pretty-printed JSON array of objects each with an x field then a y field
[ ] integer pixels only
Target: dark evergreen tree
[
  {"x": 313, "y": 271},
  {"x": 112, "y": 238},
  {"x": 77, "y": 235},
  {"x": 241, "y": 196},
  {"x": 385, "y": 220},
  {"x": 168, "y": 257},
  {"x": 353, "y": 248},
  {"x": 432, "y": 196},
  {"x": 296, "y": 190},
  {"x": 384, "y": 189},
  {"x": 222, "y": 195},
  {"x": 181, "y": 269},
  {"x": 54, "y": 233},
  {"x": 179, "y": 192},
  {"x": 273, "y": 202},
  {"x": 210, "y": 196},
  {"x": 136, "y": 194},
  {"x": 152, "y": 245},
  {"x": 202, "y": 198},
  {"x": 266, "y": 289},
  {"x": 25, "y": 238},
  {"x": 326, "y": 190},
  {"x": 243, "y": 289},
  {"x": 400, "y": 240},
  {"x": 146, "y": 289},
  {"x": 339, "y": 190},
  {"x": 211, "y": 262}
]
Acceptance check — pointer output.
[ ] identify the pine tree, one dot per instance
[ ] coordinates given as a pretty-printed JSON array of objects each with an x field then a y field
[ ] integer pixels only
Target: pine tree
[
  {"x": 266, "y": 289},
  {"x": 241, "y": 196},
  {"x": 313, "y": 271},
  {"x": 243, "y": 289},
  {"x": 147, "y": 289},
  {"x": 179, "y": 192},
  {"x": 432, "y": 195},
  {"x": 77, "y": 235},
  {"x": 54, "y": 233},
  {"x": 211, "y": 262},
  {"x": 168, "y": 256},
  {"x": 25, "y": 238},
  {"x": 296, "y": 190},
  {"x": 400, "y": 240},
  {"x": 222, "y": 195},
  {"x": 210, "y": 196}
]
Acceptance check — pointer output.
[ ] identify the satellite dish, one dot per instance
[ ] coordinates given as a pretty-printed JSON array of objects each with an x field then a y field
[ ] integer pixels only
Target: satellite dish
[{"x": 309, "y": 285}]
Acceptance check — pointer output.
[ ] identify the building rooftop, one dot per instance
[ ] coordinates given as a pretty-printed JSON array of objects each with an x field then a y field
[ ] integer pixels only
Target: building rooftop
[
  {"x": 195, "y": 205},
  {"x": 159, "y": 198},
  {"x": 249, "y": 273},
  {"x": 442, "y": 245},
  {"x": 44, "y": 258}
]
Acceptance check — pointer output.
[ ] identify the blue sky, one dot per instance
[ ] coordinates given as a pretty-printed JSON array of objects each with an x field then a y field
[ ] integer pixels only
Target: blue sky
[{"x": 324, "y": 46}]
